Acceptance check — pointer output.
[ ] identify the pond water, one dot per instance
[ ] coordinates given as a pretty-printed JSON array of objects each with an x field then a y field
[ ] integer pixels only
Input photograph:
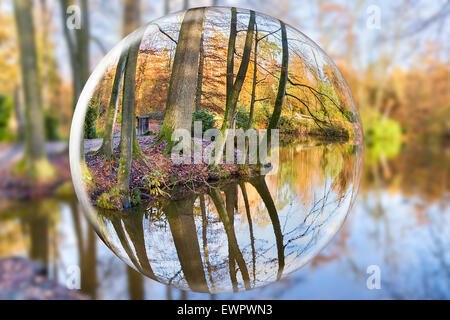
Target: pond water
[{"x": 230, "y": 239}]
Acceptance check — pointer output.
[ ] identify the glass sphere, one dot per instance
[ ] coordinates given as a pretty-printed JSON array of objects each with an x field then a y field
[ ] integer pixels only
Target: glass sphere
[{"x": 216, "y": 149}]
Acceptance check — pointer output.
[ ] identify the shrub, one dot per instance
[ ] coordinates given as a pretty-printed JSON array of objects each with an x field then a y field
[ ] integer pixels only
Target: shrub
[
  {"x": 206, "y": 118},
  {"x": 242, "y": 117},
  {"x": 89, "y": 122},
  {"x": 51, "y": 127},
  {"x": 288, "y": 125},
  {"x": 136, "y": 197},
  {"x": 110, "y": 200},
  {"x": 6, "y": 106},
  {"x": 154, "y": 182},
  {"x": 262, "y": 115}
]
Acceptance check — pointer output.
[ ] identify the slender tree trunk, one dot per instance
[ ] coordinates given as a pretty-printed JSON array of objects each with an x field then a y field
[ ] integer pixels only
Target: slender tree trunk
[
  {"x": 45, "y": 55},
  {"x": 255, "y": 79},
  {"x": 132, "y": 16},
  {"x": 166, "y": 6},
  {"x": 132, "y": 21},
  {"x": 127, "y": 129},
  {"x": 250, "y": 227},
  {"x": 120, "y": 232},
  {"x": 233, "y": 94},
  {"x": 205, "y": 240},
  {"x": 233, "y": 97},
  {"x": 230, "y": 61},
  {"x": 18, "y": 108},
  {"x": 111, "y": 112},
  {"x": 261, "y": 187},
  {"x": 230, "y": 199},
  {"x": 35, "y": 159},
  {"x": 231, "y": 236},
  {"x": 135, "y": 284},
  {"x": 198, "y": 94},
  {"x": 78, "y": 45},
  {"x": 39, "y": 235},
  {"x": 134, "y": 227},
  {"x": 273, "y": 122},
  {"x": 182, "y": 87},
  {"x": 89, "y": 272},
  {"x": 83, "y": 44}
]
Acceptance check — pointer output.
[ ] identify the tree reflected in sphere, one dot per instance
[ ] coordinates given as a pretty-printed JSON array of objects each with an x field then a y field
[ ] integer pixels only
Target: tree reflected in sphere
[{"x": 216, "y": 149}]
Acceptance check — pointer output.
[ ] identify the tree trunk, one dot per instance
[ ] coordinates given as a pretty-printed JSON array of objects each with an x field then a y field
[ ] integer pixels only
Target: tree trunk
[
  {"x": 182, "y": 226},
  {"x": 35, "y": 159},
  {"x": 233, "y": 94},
  {"x": 135, "y": 284},
  {"x": 127, "y": 130},
  {"x": 250, "y": 227},
  {"x": 273, "y": 122},
  {"x": 166, "y": 7},
  {"x": 108, "y": 134},
  {"x": 205, "y": 240},
  {"x": 233, "y": 246},
  {"x": 135, "y": 229},
  {"x": 18, "y": 108},
  {"x": 132, "y": 16},
  {"x": 255, "y": 79},
  {"x": 261, "y": 187},
  {"x": 182, "y": 87},
  {"x": 233, "y": 97},
  {"x": 230, "y": 60},
  {"x": 132, "y": 21},
  {"x": 78, "y": 45},
  {"x": 198, "y": 94}
]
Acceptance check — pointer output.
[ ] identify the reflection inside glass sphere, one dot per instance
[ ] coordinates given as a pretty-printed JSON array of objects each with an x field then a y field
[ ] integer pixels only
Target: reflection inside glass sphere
[
  {"x": 216, "y": 149},
  {"x": 241, "y": 234}
]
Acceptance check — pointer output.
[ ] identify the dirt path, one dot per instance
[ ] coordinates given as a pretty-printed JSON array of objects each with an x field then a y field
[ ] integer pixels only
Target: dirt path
[
  {"x": 95, "y": 144},
  {"x": 13, "y": 152}
]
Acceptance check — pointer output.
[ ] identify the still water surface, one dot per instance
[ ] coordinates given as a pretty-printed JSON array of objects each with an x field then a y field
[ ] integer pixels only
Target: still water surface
[{"x": 398, "y": 223}]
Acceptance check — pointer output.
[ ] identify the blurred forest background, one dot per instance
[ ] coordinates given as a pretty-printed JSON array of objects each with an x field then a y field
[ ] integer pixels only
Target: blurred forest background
[
  {"x": 395, "y": 58},
  {"x": 394, "y": 55}
]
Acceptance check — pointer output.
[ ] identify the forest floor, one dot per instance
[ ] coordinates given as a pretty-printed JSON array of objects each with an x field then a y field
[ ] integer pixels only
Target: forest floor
[
  {"x": 21, "y": 278},
  {"x": 156, "y": 175},
  {"x": 13, "y": 186}
]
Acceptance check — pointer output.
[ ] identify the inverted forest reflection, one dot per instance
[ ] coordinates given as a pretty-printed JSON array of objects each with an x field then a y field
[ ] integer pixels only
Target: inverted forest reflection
[
  {"x": 243, "y": 234},
  {"x": 400, "y": 221}
]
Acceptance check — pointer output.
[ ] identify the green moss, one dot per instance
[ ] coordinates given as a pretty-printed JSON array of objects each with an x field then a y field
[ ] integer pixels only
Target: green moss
[
  {"x": 136, "y": 197},
  {"x": 221, "y": 172},
  {"x": 104, "y": 201},
  {"x": 165, "y": 134},
  {"x": 87, "y": 175},
  {"x": 65, "y": 190},
  {"x": 90, "y": 131},
  {"x": 6, "y": 107},
  {"x": 40, "y": 170},
  {"x": 110, "y": 200}
]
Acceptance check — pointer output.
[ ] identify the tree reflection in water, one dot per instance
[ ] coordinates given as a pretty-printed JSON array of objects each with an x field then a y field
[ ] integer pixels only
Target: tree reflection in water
[
  {"x": 243, "y": 234},
  {"x": 407, "y": 238}
]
